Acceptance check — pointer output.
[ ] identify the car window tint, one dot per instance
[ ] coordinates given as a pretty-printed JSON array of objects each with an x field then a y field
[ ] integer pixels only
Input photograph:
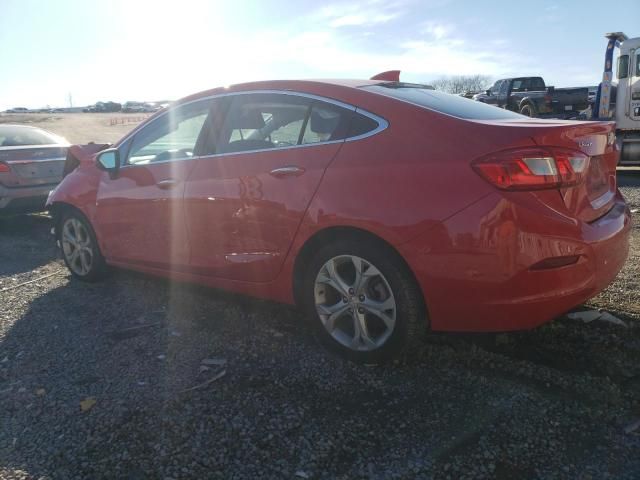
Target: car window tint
[
  {"x": 172, "y": 136},
  {"x": 263, "y": 121},
  {"x": 623, "y": 66},
  {"x": 536, "y": 83},
  {"x": 325, "y": 123},
  {"x": 361, "y": 124},
  {"x": 443, "y": 102}
]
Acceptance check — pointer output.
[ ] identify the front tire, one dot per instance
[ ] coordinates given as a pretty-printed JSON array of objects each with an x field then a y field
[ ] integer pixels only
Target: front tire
[
  {"x": 363, "y": 301},
  {"x": 79, "y": 246}
]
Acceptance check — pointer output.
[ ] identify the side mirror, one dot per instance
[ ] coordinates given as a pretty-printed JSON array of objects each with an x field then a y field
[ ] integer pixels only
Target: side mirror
[
  {"x": 109, "y": 160},
  {"x": 488, "y": 92}
]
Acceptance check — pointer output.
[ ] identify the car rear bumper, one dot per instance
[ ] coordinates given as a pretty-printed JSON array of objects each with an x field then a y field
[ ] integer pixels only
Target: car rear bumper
[
  {"x": 24, "y": 199},
  {"x": 476, "y": 269}
]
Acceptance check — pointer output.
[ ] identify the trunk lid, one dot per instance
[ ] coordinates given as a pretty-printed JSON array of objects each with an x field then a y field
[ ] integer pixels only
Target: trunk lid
[{"x": 32, "y": 165}]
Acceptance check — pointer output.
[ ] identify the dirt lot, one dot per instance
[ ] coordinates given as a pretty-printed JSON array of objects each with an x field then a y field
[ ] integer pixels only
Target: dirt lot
[
  {"x": 139, "y": 378},
  {"x": 79, "y": 127}
]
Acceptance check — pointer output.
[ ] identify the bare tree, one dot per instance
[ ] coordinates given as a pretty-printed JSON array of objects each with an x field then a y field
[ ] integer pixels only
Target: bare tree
[{"x": 461, "y": 83}]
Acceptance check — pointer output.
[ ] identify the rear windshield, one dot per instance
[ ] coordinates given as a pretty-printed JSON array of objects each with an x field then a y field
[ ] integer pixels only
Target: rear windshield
[
  {"x": 11, "y": 136},
  {"x": 443, "y": 102}
]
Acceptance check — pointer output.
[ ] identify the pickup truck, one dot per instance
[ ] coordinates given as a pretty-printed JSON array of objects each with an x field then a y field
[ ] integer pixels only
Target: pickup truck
[{"x": 530, "y": 96}]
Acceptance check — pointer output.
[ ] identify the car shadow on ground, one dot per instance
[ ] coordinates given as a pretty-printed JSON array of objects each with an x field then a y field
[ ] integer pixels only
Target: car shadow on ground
[
  {"x": 27, "y": 244},
  {"x": 186, "y": 382}
]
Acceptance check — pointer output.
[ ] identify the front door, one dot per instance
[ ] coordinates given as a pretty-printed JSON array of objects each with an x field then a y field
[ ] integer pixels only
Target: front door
[{"x": 140, "y": 213}]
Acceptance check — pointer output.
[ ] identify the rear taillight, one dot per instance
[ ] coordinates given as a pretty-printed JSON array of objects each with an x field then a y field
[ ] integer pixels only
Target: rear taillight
[
  {"x": 4, "y": 167},
  {"x": 533, "y": 168}
]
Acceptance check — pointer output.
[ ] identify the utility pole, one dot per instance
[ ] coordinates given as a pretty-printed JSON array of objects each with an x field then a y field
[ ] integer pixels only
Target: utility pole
[{"x": 70, "y": 98}]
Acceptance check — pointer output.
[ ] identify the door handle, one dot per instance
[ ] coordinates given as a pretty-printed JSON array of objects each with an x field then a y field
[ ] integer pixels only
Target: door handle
[
  {"x": 167, "y": 184},
  {"x": 287, "y": 171}
]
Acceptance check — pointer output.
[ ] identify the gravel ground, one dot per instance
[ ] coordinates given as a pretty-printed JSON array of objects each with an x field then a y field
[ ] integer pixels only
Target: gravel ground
[{"x": 107, "y": 381}]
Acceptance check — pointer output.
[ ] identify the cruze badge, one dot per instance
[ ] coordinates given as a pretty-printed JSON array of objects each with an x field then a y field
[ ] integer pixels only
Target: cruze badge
[{"x": 585, "y": 144}]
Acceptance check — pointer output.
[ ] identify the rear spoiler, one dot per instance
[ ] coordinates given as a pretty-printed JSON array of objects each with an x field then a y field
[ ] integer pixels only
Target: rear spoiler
[
  {"x": 389, "y": 76},
  {"x": 77, "y": 154}
]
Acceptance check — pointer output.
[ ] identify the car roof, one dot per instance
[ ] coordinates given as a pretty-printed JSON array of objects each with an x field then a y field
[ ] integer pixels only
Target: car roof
[{"x": 298, "y": 85}]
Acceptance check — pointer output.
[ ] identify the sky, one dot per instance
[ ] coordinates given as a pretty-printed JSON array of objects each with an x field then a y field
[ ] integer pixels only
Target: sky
[{"x": 120, "y": 50}]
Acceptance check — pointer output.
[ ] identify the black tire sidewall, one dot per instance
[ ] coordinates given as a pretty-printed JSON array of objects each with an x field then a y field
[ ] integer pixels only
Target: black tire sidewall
[
  {"x": 98, "y": 266},
  {"x": 410, "y": 312}
]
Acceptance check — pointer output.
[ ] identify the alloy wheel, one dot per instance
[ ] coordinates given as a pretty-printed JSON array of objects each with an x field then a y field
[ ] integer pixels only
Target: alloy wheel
[
  {"x": 355, "y": 303},
  {"x": 77, "y": 246}
]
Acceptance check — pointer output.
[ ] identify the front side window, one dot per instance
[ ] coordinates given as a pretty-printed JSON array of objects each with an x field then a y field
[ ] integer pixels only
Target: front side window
[
  {"x": 504, "y": 87},
  {"x": 638, "y": 66},
  {"x": 623, "y": 66},
  {"x": 263, "y": 121},
  {"x": 496, "y": 87},
  {"x": 172, "y": 136}
]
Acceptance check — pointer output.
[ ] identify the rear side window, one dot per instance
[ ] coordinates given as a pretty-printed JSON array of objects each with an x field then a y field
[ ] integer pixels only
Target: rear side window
[
  {"x": 262, "y": 121},
  {"x": 623, "y": 66},
  {"x": 361, "y": 125},
  {"x": 444, "y": 103}
]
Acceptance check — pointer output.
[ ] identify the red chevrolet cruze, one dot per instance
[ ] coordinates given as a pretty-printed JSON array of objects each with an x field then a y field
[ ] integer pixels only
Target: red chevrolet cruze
[{"x": 383, "y": 208}]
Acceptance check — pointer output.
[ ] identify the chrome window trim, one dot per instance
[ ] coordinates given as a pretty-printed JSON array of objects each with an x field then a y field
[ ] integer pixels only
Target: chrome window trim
[
  {"x": 27, "y": 147},
  {"x": 382, "y": 123},
  {"x": 37, "y": 160}
]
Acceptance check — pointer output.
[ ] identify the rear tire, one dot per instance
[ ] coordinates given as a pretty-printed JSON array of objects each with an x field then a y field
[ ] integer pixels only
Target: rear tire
[
  {"x": 528, "y": 110},
  {"x": 371, "y": 317},
  {"x": 80, "y": 249}
]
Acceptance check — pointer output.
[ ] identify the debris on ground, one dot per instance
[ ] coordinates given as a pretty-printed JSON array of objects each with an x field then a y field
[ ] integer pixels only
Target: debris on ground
[
  {"x": 216, "y": 377},
  {"x": 214, "y": 361},
  {"x": 588, "y": 316},
  {"x": 632, "y": 427},
  {"x": 87, "y": 403}
]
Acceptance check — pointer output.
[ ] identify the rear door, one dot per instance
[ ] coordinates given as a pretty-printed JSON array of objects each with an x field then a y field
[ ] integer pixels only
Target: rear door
[
  {"x": 245, "y": 201},
  {"x": 140, "y": 213}
]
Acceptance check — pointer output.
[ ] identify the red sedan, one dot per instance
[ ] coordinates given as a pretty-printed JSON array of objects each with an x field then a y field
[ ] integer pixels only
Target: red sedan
[{"x": 382, "y": 208}]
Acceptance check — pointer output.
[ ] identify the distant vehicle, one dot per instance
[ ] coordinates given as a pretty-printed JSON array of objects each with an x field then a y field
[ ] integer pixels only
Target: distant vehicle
[
  {"x": 31, "y": 165},
  {"x": 138, "y": 107},
  {"x": 57, "y": 110},
  {"x": 18, "y": 110},
  {"x": 621, "y": 102},
  {"x": 104, "y": 107},
  {"x": 368, "y": 203},
  {"x": 531, "y": 97}
]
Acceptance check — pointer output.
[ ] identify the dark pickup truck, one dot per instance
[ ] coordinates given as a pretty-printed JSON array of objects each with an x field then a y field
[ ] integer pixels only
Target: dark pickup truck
[{"x": 531, "y": 97}]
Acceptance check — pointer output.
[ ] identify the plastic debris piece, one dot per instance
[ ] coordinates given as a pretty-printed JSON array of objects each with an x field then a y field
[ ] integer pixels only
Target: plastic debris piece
[
  {"x": 585, "y": 316},
  {"x": 214, "y": 361},
  {"x": 607, "y": 317},
  {"x": 218, "y": 376},
  {"x": 87, "y": 403},
  {"x": 632, "y": 427}
]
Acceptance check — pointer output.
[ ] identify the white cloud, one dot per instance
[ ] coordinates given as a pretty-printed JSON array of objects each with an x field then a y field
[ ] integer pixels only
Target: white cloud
[{"x": 360, "y": 13}]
